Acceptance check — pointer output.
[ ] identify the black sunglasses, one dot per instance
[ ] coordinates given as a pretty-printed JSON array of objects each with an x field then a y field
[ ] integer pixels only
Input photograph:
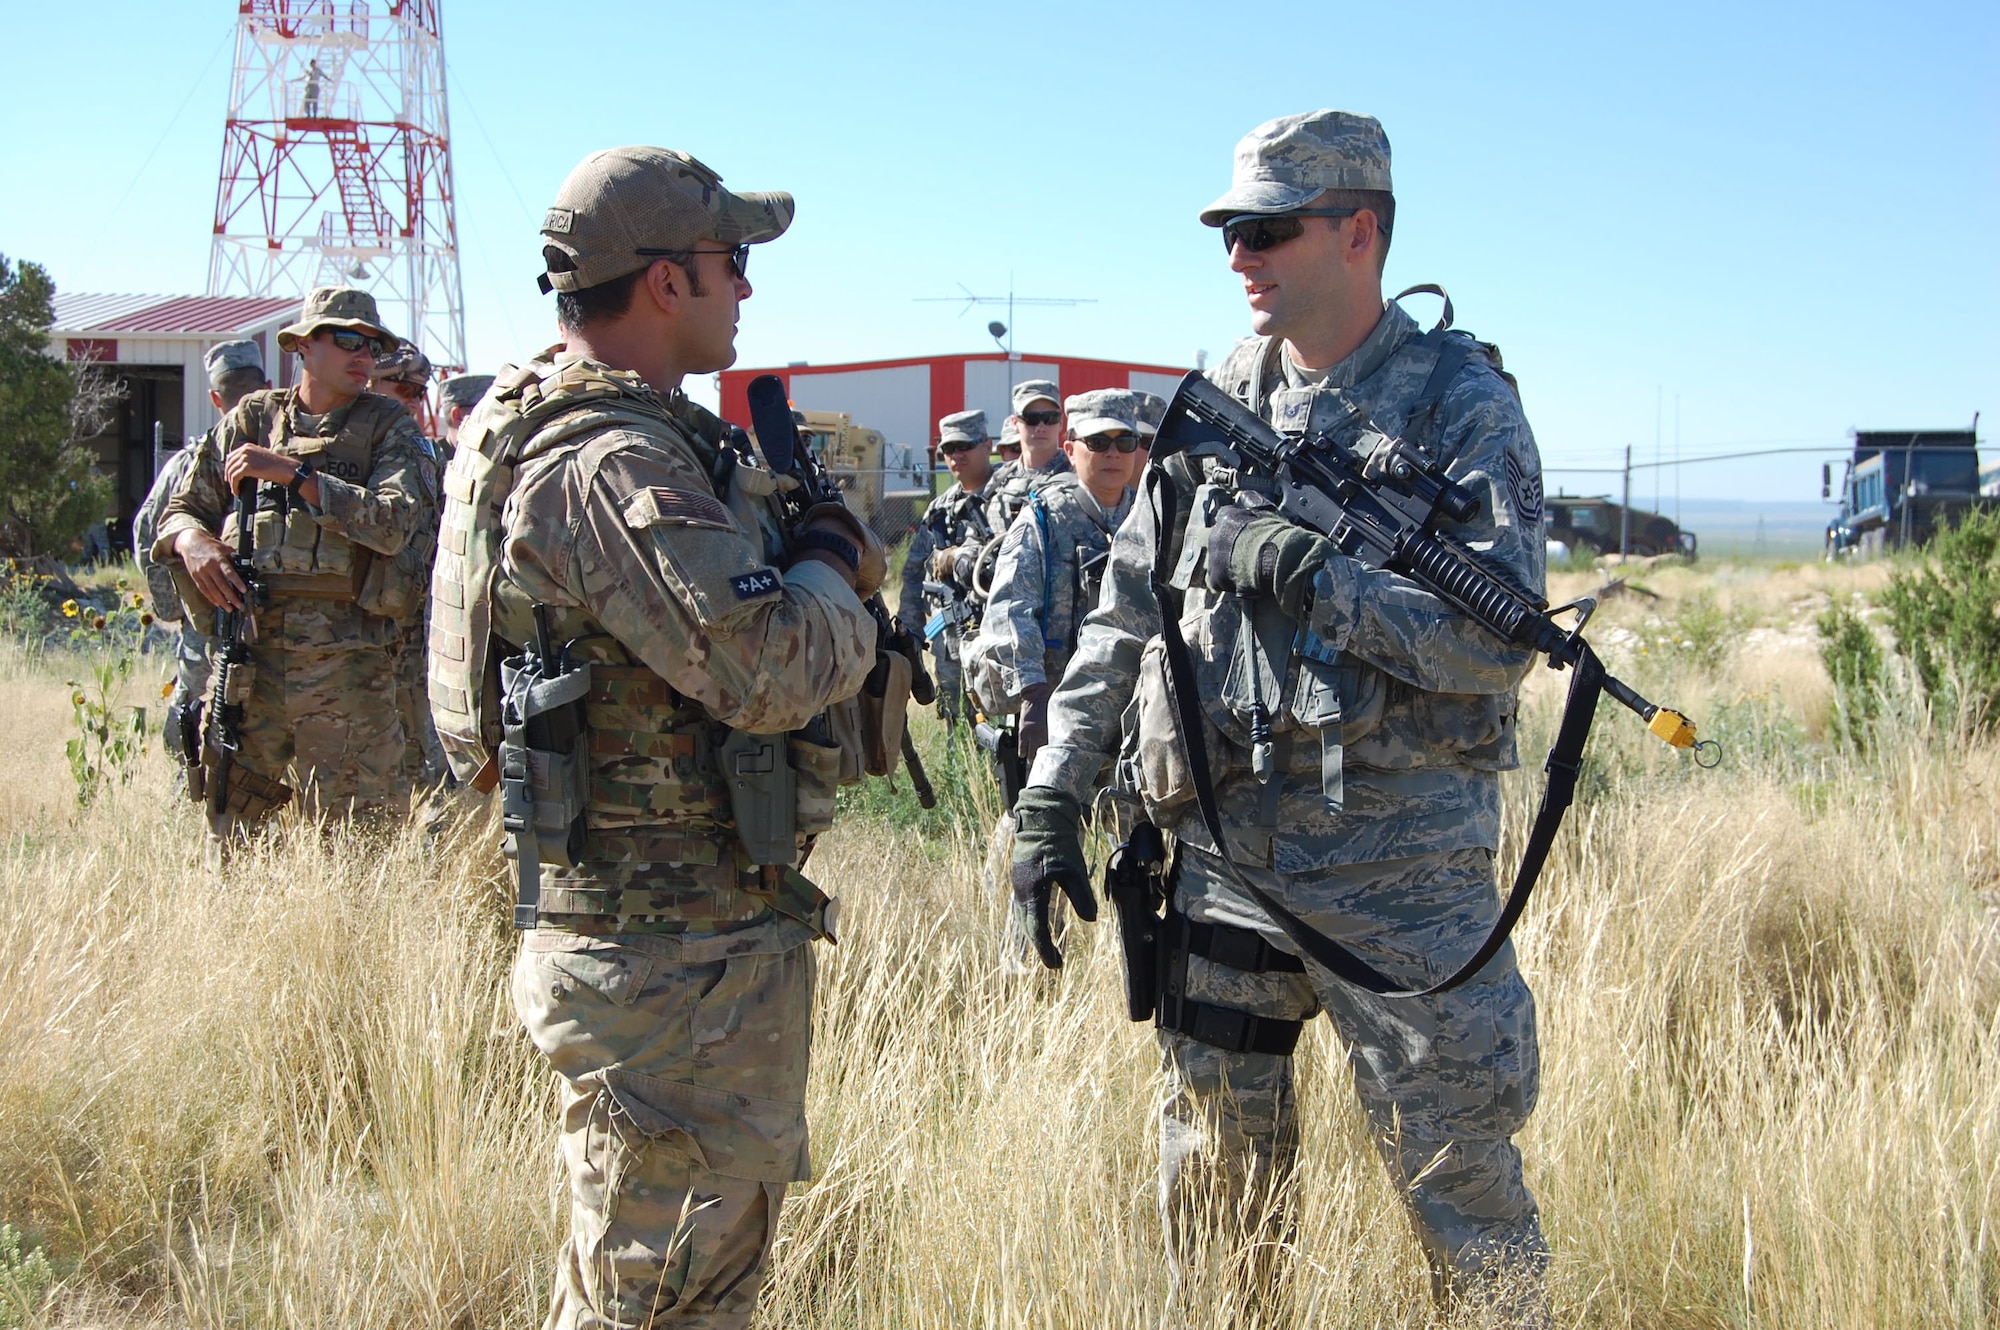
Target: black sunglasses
[
  {"x": 1125, "y": 443},
  {"x": 1041, "y": 417},
  {"x": 1257, "y": 233},
  {"x": 957, "y": 446},
  {"x": 739, "y": 257},
  {"x": 346, "y": 339}
]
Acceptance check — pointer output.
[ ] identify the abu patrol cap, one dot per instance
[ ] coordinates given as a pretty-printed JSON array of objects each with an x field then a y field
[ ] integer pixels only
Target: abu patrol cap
[
  {"x": 1284, "y": 164},
  {"x": 334, "y": 307},
  {"x": 619, "y": 204},
  {"x": 225, "y": 357},
  {"x": 963, "y": 427},
  {"x": 1102, "y": 411},
  {"x": 1030, "y": 391},
  {"x": 464, "y": 389},
  {"x": 1152, "y": 410}
]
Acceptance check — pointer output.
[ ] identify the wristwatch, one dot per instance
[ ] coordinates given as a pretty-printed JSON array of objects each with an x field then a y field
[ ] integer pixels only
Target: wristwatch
[{"x": 305, "y": 472}]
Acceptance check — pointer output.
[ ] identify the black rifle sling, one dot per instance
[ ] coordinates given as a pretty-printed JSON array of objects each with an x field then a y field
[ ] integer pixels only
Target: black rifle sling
[{"x": 1565, "y": 760}]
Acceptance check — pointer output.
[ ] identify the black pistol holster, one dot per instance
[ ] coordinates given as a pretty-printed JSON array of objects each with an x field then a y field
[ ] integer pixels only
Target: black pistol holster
[{"x": 1139, "y": 881}]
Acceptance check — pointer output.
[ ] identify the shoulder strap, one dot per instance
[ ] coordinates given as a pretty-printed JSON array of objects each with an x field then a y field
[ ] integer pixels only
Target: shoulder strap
[{"x": 1453, "y": 350}]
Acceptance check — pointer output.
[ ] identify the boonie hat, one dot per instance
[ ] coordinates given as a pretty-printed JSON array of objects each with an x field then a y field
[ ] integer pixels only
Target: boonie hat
[
  {"x": 1029, "y": 391},
  {"x": 464, "y": 389},
  {"x": 1102, "y": 411},
  {"x": 1284, "y": 164},
  {"x": 334, "y": 307},
  {"x": 224, "y": 357},
  {"x": 963, "y": 427},
  {"x": 405, "y": 363},
  {"x": 620, "y": 205},
  {"x": 1152, "y": 410}
]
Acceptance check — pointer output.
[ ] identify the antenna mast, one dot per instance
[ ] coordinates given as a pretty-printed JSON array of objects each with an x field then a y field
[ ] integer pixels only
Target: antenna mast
[{"x": 336, "y": 164}]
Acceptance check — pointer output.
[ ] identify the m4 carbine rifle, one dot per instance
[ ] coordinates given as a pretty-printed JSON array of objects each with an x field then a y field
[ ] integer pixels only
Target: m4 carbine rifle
[
  {"x": 787, "y": 454},
  {"x": 220, "y": 782},
  {"x": 1384, "y": 510}
]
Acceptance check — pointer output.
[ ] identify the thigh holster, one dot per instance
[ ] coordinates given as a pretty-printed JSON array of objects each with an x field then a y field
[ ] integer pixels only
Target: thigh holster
[{"x": 1221, "y": 1027}]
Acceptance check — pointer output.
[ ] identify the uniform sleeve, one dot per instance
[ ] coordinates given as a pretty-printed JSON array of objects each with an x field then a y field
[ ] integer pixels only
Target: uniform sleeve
[
  {"x": 1085, "y": 713},
  {"x": 202, "y": 499},
  {"x": 1012, "y": 624},
  {"x": 646, "y": 546},
  {"x": 910, "y": 607},
  {"x": 146, "y": 527},
  {"x": 1392, "y": 623},
  {"x": 390, "y": 508}
]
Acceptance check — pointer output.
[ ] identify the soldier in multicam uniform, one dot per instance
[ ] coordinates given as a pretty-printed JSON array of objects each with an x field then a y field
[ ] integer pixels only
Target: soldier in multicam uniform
[
  {"x": 457, "y": 396},
  {"x": 339, "y": 495},
  {"x": 668, "y": 978},
  {"x": 235, "y": 370},
  {"x": 405, "y": 374},
  {"x": 1037, "y": 422},
  {"x": 947, "y": 542},
  {"x": 1403, "y": 871}
]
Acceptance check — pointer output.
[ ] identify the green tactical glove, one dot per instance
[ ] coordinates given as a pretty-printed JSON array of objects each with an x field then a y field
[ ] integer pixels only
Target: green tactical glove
[
  {"x": 1257, "y": 551},
  {"x": 1048, "y": 853}
]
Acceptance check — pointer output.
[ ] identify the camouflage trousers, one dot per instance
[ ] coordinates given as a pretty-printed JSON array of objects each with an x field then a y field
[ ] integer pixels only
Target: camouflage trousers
[
  {"x": 326, "y": 723},
  {"x": 683, "y": 1062},
  {"x": 1445, "y": 1081}
]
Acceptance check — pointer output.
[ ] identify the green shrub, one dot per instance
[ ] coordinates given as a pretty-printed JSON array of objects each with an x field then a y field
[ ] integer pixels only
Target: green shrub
[
  {"x": 1853, "y": 660},
  {"x": 25, "y": 1278},
  {"x": 1944, "y": 610}
]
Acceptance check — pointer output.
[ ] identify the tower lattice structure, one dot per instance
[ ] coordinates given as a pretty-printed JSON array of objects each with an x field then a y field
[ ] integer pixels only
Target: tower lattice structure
[{"x": 336, "y": 164}]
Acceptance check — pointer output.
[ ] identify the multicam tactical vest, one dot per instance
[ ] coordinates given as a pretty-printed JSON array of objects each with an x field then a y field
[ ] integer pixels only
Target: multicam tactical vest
[{"x": 298, "y": 556}]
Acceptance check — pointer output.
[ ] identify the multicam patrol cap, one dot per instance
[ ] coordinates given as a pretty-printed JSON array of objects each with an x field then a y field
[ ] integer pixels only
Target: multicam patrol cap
[
  {"x": 1284, "y": 164},
  {"x": 464, "y": 389},
  {"x": 1152, "y": 410},
  {"x": 225, "y": 357},
  {"x": 963, "y": 427},
  {"x": 624, "y": 207},
  {"x": 1030, "y": 391},
  {"x": 405, "y": 363},
  {"x": 334, "y": 307},
  {"x": 1102, "y": 411}
]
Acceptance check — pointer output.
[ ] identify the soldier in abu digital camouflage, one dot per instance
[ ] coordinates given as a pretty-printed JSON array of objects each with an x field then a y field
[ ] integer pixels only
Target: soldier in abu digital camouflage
[
  {"x": 667, "y": 976},
  {"x": 405, "y": 375},
  {"x": 339, "y": 494},
  {"x": 235, "y": 370},
  {"x": 1038, "y": 423},
  {"x": 457, "y": 396},
  {"x": 943, "y": 551},
  {"x": 1390, "y": 716}
]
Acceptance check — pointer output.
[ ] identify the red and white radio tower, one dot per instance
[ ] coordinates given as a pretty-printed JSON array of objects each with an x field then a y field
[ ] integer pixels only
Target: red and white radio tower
[{"x": 336, "y": 164}]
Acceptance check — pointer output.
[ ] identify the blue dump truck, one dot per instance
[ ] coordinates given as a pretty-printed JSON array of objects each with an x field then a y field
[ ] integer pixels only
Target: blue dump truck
[{"x": 1899, "y": 487}]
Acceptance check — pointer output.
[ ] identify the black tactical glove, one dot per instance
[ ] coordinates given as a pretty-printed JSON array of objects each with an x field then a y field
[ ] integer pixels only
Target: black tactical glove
[
  {"x": 1048, "y": 853},
  {"x": 1257, "y": 551},
  {"x": 1033, "y": 730}
]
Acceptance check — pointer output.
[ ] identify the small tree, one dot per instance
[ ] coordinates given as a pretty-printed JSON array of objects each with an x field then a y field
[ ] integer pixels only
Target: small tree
[
  {"x": 48, "y": 493},
  {"x": 1944, "y": 609}
]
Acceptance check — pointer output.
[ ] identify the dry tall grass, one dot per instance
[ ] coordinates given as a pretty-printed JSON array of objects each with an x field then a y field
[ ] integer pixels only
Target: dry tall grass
[{"x": 1767, "y": 996}]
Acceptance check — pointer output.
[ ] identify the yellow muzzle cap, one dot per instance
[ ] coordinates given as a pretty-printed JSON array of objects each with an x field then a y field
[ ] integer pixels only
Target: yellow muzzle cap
[{"x": 1672, "y": 727}]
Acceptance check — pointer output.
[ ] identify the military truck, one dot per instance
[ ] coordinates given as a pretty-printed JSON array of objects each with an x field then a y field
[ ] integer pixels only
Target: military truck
[
  {"x": 1592, "y": 524},
  {"x": 1899, "y": 487},
  {"x": 857, "y": 459}
]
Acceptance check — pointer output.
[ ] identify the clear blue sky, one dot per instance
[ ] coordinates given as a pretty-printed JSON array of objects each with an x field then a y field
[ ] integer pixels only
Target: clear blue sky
[{"x": 1782, "y": 217}]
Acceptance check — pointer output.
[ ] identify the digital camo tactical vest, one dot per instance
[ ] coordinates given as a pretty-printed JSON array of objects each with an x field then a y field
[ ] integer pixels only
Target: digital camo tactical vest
[
  {"x": 298, "y": 556},
  {"x": 1075, "y": 546}
]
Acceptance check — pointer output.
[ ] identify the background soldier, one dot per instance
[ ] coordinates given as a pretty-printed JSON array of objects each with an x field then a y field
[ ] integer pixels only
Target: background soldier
[
  {"x": 1411, "y": 751},
  {"x": 457, "y": 396},
  {"x": 1037, "y": 422},
  {"x": 405, "y": 375},
  {"x": 235, "y": 369},
  {"x": 339, "y": 494},
  {"x": 1152, "y": 410},
  {"x": 668, "y": 979},
  {"x": 946, "y": 544},
  {"x": 1009, "y": 446}
]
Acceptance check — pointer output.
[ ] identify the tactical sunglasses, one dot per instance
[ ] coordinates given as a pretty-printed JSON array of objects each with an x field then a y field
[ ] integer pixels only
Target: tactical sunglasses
[
  {"x": 1257, "y": 232},
  {"x": 1041, "y": 418},
  {"x": 1126, "y": 443},
  {"x": 957, "y": 446},
  {"x": 739, "y": 257},
  {"x": 346, "y": 339}
]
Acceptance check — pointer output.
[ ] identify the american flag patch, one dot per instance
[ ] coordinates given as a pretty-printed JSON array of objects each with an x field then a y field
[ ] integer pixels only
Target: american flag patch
[{"x": 658, "y": 504}]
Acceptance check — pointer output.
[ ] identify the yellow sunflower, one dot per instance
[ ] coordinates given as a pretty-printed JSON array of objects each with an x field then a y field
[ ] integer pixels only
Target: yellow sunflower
[{"x": 71, "y": 609}]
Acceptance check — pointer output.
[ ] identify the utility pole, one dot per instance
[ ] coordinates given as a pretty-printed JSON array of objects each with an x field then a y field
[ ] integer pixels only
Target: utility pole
[{"x": 1625, "y": 509}]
